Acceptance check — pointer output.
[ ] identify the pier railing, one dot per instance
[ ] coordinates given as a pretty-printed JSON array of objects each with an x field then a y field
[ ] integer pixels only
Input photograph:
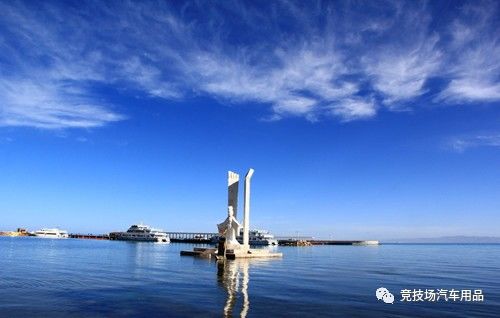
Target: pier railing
[{"x": 183, "y": 236}]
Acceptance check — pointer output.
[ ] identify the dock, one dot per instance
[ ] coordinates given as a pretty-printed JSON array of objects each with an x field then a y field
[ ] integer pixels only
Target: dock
[
  {"x": 191, "y": 237},
  {"x": 344, "y": 242},
  {"x": 89, "y": 236},
  {"x": 207, "y": 238},
  {"x": 294, "y": 242}
]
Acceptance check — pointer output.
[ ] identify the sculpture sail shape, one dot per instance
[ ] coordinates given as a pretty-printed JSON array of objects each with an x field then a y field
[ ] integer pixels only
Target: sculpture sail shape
[
  {"x": 246, "y": 208},
  {"x": 233, "y": 180}
]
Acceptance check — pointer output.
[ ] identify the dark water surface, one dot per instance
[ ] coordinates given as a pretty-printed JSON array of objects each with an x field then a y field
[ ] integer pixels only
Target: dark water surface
[{"x": 87, "y": 278}]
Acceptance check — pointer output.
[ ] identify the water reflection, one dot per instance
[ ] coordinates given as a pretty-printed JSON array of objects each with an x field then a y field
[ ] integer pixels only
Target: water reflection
[
  {"x": 233, "y": 276},
  {"x": 143, "y": 257}
]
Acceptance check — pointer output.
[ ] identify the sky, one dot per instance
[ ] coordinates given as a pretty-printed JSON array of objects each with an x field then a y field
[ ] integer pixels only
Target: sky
[{"x": 362, "y": 119}]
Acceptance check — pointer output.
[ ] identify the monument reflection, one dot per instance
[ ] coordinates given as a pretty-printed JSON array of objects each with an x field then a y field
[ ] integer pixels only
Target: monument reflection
[{"x": 233, "y": 276}]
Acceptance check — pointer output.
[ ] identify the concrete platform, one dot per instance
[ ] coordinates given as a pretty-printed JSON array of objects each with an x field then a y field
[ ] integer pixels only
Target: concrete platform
[
  {"x": 253, "y": 253},
  {"x": 200, "y": 252},
  {"x": 230, "y": 254}
]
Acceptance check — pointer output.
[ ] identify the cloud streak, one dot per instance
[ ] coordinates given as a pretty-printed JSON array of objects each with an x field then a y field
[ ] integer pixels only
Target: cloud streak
[
  {"x": 461, "y": 144},
  {"x": 50, "y": 106},
  {"x": 474, "y": 71},
  {"x": 344, "y": 61}
]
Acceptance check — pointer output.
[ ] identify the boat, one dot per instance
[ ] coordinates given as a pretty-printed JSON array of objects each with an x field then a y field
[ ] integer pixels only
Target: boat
[
  {"x": 142, "y": 233},
  {"x": 255, "y": 238},
  {"x": 258, "y": 237},
  {"x": 201, "y": 237},
  {"x": 51, "y": 233}
]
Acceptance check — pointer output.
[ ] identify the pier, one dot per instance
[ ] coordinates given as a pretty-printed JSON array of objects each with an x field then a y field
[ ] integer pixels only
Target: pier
[
  {"x": 343, "y": 242},
  {"x": 295, "y": 242},
  {"x": 206, "y": 238},
  {"x": 191, "y": 237},
  {"x": 89, "y": 236}
]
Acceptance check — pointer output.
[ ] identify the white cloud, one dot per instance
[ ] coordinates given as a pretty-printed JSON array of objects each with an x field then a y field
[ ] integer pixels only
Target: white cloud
[
  {"x": 297, "y": 84},
  {"x": 469, "y": 89},
  {"x": 5, "y": 140},
  {"x": 406, "y": 57},
  {"x": 461, "y": 144},
  {"x": 401, "y": 76},
  {"x": 148, "y": 78},
  {"x": 50, "y": 106},
  {"x": 298, "y": 105},
  {"x": 474, "y": 64},
  {"x": 353, "y": 109},
  {"x": 289, "y": 62}
]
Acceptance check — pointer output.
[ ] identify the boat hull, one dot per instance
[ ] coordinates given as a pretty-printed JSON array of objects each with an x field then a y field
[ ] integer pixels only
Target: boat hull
[
  {"x": 48, "y": 236},
  {"x": 143, "y": 239},
  {"x": 260, "y": 242}
]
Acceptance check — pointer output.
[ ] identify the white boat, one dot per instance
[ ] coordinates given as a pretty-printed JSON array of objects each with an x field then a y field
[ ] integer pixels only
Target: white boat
[
  {"x": 51, "y": 233},
  {"x": 255, "y": 237},
  {"x": 258, "y": 237},
  {"x": 143, "y": 233}
]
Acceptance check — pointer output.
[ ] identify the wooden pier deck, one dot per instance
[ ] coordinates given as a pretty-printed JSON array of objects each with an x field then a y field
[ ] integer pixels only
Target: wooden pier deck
[{"x": 89, "y": 236}]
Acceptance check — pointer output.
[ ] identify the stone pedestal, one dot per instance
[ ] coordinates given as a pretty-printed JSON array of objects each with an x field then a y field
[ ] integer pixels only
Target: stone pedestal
[{"x": 252, "y": 253}]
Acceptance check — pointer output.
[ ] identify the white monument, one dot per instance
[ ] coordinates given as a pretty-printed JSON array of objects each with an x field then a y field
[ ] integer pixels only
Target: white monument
[
  {"x": 233, "y": 180},
  {"x": 246, "y": 209},
  {"x": 229, "y": 230}
]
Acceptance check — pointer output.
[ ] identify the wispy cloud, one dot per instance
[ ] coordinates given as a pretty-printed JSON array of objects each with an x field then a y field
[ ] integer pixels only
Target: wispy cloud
[
  {"x": 351, "y": 109},
  {"x": 315, "y": 60},
  {"x": 403, "y": 61},
  {"x": 474, "y": 66},
  {"x": 50, "y": 105},
  {"x": 6, "y": 140},
  {"x": 461, "y": 144}
]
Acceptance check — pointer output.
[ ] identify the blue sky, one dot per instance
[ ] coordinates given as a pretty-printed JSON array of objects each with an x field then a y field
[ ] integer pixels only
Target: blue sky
[{"x": 376, "y": 119}]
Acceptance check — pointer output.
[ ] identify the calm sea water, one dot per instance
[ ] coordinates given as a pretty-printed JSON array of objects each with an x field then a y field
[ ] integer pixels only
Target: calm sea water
[{"x": 86, "y": 278}]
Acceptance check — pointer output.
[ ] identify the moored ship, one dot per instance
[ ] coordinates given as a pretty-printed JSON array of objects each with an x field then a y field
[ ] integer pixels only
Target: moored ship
[
  {"x": 141, "y": 233},
  {"x": 51, "y": 233},
  {"x": 258, "y": 237},
  {"x": 255, "y": 238}
]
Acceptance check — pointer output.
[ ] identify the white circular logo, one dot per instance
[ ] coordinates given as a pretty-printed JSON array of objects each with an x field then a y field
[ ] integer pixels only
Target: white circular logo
[{"x": 383, "y": 293}]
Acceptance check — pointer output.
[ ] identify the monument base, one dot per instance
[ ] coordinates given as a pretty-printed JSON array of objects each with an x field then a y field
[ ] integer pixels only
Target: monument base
[
  {"x": 201, "y": 252},
  {"x": 231, "y": 254},
  {"x": 251, "y": 253}
]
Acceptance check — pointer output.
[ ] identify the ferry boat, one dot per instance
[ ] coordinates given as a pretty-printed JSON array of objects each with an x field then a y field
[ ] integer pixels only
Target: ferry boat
[
  {"x": 142, "y": 233},
  {"x": 51, "y": 233},
  {"x": 258, "y": 237},
  {"x": 255, "y": 237}
]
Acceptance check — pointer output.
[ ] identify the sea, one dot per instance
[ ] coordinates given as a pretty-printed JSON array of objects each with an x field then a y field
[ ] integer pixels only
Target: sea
[{"x": 92, "y": 278}]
